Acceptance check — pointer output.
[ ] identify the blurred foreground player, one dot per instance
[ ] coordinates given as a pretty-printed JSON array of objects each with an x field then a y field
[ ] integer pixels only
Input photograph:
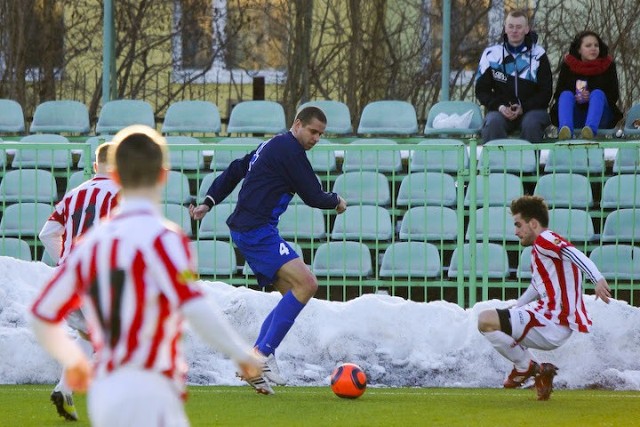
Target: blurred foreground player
[
  {"x": 81, "y": 208},
  {"x": 551, "y": 308},
  {"x": 134, "y": 275},
  {"x": 273, "y": 173}
]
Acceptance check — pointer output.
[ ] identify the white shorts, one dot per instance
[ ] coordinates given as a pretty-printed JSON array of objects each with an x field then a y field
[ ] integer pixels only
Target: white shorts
[
  {"x": 533, "y": 330},
  {"x": 133, "y": 397}
]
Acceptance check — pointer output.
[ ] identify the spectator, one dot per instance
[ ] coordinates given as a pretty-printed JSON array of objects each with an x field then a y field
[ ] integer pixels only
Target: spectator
[
  {"x": 587, "y": 91},
  {"x": 514, "y": 83}
]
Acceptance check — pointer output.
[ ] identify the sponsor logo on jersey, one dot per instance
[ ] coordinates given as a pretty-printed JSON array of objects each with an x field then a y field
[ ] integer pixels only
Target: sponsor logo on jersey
[
  {"x": 185, "y": 277},
  {"x": 499, "y": 76}
]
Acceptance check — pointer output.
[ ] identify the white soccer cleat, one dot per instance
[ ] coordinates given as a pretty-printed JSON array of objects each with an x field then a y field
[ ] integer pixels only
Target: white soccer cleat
[
  {"x": 272, "y": 371},
  {"x": 259, "y": 384}
]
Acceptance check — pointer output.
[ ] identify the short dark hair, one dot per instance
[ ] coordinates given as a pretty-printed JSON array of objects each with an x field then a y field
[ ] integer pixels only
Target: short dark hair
[
  {"x": 531, "y": 207},
  {"x": 309, "y": 113},
  {"x": 138, "y": 156},
  {"x": 577, "y": 41}
]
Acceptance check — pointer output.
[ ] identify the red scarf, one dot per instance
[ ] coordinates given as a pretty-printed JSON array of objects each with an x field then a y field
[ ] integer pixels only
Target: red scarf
[{"x": 588, "y": 68}]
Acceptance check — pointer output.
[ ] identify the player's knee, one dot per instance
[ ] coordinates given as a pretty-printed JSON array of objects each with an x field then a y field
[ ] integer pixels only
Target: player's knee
[{"x": 487, "y": 321}]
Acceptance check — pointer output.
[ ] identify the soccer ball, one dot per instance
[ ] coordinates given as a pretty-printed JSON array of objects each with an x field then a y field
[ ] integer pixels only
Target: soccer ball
[{"x": 348, "y": 381}]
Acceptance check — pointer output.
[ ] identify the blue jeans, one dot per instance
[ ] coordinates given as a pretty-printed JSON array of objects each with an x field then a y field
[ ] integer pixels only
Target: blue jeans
[{"x": 596, "y": 115}]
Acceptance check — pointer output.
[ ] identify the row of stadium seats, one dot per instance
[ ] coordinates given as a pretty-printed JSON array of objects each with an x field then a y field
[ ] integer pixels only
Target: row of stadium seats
[
  {"x": 560, "y": 190},
  {"x": 368, "y": 223},
  {"x": 386, "y": 117},
  {"x": 418, "y": 260}
]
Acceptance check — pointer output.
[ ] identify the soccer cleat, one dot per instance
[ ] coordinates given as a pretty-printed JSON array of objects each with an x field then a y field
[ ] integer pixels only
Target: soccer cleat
[
  {"x": 64, "y": 405},
  {"x": 516, "y": 379},
  {"x": 565, "y": 133},
  {"x": 544, "y": 380},
  {"x": 586, "y": 133},
  {"x": 259, "y": 384},
  {"x": 271, "y": 371}
]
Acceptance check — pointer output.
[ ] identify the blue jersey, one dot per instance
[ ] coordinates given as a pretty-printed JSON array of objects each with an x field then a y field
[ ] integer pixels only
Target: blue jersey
[{"x": 273, "y": 173}]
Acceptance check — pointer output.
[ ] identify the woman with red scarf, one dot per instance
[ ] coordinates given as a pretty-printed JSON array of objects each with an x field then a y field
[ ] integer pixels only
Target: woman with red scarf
[{"x": 587, "y": 90}]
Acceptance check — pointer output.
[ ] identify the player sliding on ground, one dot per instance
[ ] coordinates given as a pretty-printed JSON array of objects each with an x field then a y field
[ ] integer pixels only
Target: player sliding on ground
[
  {"x": 551, "y": 308},
  {"x": 134, "y": 273},
  {"x": 272, "y": 174}
]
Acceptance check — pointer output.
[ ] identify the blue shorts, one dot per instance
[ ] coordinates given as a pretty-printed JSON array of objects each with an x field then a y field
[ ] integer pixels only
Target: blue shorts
[{"x": 265, "y": 252}]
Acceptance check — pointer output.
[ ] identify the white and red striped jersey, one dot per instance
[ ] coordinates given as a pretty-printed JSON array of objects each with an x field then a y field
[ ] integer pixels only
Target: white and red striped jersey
[
  {"x": 131, "y": 274},
  {"x": 78, "y": 210},
  {"x": 556, "y": 267}
]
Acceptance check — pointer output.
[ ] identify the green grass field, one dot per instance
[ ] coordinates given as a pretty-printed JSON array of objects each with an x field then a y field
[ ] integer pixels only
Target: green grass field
[{"x": 29, "y": 406}]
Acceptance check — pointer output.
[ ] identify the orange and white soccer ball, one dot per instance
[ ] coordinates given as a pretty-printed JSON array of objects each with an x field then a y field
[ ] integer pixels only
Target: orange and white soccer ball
[{"x": 348, "y": 381}]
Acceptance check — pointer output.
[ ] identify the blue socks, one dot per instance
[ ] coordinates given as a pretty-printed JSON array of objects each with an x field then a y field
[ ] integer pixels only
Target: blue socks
[{"x": 277, "y": 324}]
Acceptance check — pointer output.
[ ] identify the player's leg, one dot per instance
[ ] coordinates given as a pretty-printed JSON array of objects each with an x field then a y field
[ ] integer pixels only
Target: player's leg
[{"x": 496, "y": 326}]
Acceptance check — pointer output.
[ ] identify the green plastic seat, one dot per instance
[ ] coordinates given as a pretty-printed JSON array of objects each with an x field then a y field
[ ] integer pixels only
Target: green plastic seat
[
  {"x": 192, "y": 116},
  {"x": 576, "y": 156},
  {"x": 366, "y": 188},
  {"x": 565, "y": 190},
  {"x": 524, "y": 264},
  {"x": 621, "y": 191},
  {"x": 342, "y": 259},
  {"x": 223, "y": 156},
  {"x": 499, "y": 225},
  {"x": 454, "y": 107},
  {"x": 11, "y": 117},
  {"x": 61, "y": 116},
  {"x": 179, "y": 215},
  {"x": 118, "y": 114},
  {"x": 24, "y": 219},
  {"x": 300, "y": 221},
  {"x": 493, "y": 261},
  {"x": 338, "y": 116},
  {"x": 622, "y": 225},
  {"x": 411, "y": 259},
  {"x": 632, "y": 115},
  {"x": 364, "y": 222},
  {"x": 206, "y": 182},
  {"x": 257, "y": 117},
  {"x": 617, "y": 262},
  {"x": 16, "y": 248},
  {"x": 215, "y": 258},
  {"x": 28, "y": 185},
  {"x": 58, "y": 158},
  {"x": 508, "y": 161},
  {"x": 176, "y": 189},
  {"x": 436, "y": 223},
  {"x": 502, "y": 189},
  {"x": 442, "y": 159},
  {"x": 575, "y": 225},
  {"x": 184, "y": 159},
  {"x": 388, "y": 118},
  {"x": 376, "y": 160},
  {"x": 322, "y": 160},
  {"x": 627, "y": 159},
  {"x": 427, "y": 188},
  {"x": 214, "y": 223},
  {"x": 94, "y": 142}
]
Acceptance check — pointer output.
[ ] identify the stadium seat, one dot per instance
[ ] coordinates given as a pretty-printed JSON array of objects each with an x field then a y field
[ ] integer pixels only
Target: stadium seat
[
  {"x": 502, "y": 189},
  {"x": 93, "y": 142},
  {"x": 192, "y": 116},
  {"x": 179, "y": 215},
  {"x": 565, "y": 190},
  {"x": 621, "y": 191},
  {"x": 118, "y": 114},
  {"x": 61, "y": 116},
  {"x": 627, "y": 159},
  {"x": 322, "y": 160},
  {"x": 338, "y": 116},
  {"x": 214, "y": 223},
  {"x": 377, "y": 160},
  {"x": 633, "y": 116},
  {"x": 76, "y": 178},
  {"x": 493, "y": 261},
  {"x": 412, "y": 260},
  {"x": 622, "y": 225},
  {"x": 427, "y": 188},
  {"x": 499, "y": 226},
  {"x": 388, "y": 118},
  {"x": 206, "y": 182},
  {"x": 363, "y": 222},
  {"x": 575, "y": 156},
  {"x": 176, "y": 189},
  {"x": 524, "y": 264},
  {"x": 223, "y": 156},
  {"x": 257, "y": 117},
  {"x": 28, "y": 185},
  {"x": 185, "y": 159},
  {"x": 300, "y": 221},
  {"x": 454, "y": 107},
  {"x": 508, "y": 161},
  {"x": 247, "y": 271},
  {"x": 24, "y": 219},
  {"x": 429, "y": 223},
  {"x": 215, "y": 258},
  {"x": 440, "y": 159},
  {"x": 366, "y": 188},
  {"x": 46, "y": 259},
  {"x": 617, "y": 262},
  {"x": 43, "y": 158},
  {"x": 575, "y": 225},
  {"x": 342, "y": 259},
  {"x": 16, "y": 248},
  {"x": 11, "y": 117}
]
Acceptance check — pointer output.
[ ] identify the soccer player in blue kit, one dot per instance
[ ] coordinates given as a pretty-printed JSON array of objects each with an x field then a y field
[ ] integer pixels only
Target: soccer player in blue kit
[{"x": 273, "y": 173}]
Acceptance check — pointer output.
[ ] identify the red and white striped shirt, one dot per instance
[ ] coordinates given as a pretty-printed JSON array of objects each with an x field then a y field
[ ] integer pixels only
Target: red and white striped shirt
[
  {"x": 78, "y": 210},
  {"x": 557, "y": 267},
  {"x": 132, "y": 273}
]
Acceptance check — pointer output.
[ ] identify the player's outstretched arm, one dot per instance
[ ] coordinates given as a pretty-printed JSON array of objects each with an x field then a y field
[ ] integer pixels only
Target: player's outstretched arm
[
  {"x": 198, "y": 212},
  {"x": 602, "y": 290}
]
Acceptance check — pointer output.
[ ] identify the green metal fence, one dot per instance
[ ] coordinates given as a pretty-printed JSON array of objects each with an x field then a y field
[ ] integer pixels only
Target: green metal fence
[{"x": 426, "y": 221}]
